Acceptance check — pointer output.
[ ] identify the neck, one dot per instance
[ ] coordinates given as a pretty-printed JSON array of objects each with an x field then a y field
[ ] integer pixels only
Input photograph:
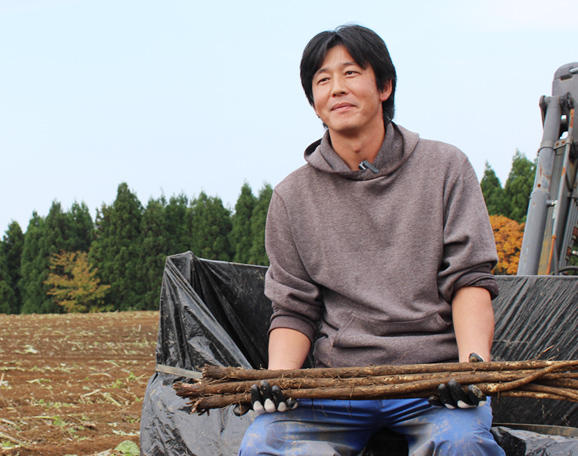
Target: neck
[{"x": 353, "y": 149}]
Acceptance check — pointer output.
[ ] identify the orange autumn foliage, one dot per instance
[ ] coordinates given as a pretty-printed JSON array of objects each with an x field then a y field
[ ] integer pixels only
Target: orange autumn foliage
[
  {"x": 73, "y": 283},
  {"x": 508, "y": 235}
]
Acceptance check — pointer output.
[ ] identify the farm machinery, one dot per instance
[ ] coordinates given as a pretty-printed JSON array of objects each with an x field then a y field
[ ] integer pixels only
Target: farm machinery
[{"x": 552, "y": 222}]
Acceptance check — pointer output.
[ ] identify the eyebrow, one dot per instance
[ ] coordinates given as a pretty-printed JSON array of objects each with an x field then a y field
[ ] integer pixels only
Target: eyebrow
[{"x": 343, "y": 65}]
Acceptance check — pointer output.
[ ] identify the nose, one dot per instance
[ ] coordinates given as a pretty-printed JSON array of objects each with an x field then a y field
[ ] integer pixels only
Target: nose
[{"x": 339, "y": 86}]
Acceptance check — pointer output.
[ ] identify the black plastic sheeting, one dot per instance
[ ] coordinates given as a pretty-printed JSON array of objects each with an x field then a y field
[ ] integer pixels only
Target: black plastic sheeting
[
  {"x": 214, "y": 312},
  {"x": 192, "y": 334},
  {"x": 536, "y": 318},
  {"x": 516, "y": 442}
]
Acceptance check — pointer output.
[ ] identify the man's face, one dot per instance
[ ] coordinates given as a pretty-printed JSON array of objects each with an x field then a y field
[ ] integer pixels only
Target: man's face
[{"x": 345, "y": 95}]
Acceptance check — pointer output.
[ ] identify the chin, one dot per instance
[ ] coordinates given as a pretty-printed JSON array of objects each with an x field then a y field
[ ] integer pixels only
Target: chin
[{"x": 343, "y": 129}]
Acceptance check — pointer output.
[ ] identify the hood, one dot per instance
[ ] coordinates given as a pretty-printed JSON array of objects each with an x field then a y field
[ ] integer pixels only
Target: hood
[{"x": 397, "y": 147}]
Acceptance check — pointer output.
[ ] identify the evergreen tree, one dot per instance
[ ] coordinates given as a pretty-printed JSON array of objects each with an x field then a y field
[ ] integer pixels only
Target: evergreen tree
[
  {"x": 519, "y": 187},
  {"x": 31, "y": 282},
  {"x": 48, "y": 238},
  {"x": 56, "y": 236},
  {"x": 177, "y": 225},
  {"x": 101, "y": 253},
  {"x": 241, "y": 238},
  {"x": 211, "y": 226},
  {"x": 153, "y": 250},
  {"x": 12, "y": 245},
  {"x": 493, "y": 192},
  {"x": 115, "y": 250},
  {"x": 8, "y": 302},
  {"x": 81, "y": 228},
  {"x": 258, "y": 255},
  {"x": 56, "y": 232}
]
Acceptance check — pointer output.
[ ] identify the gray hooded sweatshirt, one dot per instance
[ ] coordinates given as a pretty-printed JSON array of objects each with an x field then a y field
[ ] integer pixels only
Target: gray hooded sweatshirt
[{"x": 366, "y": 264}]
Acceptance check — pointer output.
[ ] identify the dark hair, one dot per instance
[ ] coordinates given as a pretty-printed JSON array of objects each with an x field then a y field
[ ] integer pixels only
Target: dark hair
[{"x": 366, "y": 48}]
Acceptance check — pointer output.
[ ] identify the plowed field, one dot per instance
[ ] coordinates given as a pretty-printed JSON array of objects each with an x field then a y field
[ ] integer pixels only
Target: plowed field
[{"x": 73, "y": 384}]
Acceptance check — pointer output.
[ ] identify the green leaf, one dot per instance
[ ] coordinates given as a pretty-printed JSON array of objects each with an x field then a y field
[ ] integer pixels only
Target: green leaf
[
  {"x": 59, "y": 422},
  {"x": 128, "y": 448}
]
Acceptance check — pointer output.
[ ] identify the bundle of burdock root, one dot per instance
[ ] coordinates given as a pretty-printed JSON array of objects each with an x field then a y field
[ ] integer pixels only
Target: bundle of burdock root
[{"x": 223, "y": 386}]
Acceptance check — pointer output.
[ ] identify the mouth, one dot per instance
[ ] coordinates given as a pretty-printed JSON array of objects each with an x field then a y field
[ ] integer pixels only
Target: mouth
[{"x": 341, "y": 106}]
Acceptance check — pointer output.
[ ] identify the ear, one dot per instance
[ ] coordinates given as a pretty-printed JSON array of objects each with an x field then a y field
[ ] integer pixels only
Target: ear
[{"x": 385, "y": 93}]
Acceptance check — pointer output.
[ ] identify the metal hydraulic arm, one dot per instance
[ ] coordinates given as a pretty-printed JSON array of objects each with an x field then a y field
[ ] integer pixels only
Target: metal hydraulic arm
[{"x": 552, "y": 220}]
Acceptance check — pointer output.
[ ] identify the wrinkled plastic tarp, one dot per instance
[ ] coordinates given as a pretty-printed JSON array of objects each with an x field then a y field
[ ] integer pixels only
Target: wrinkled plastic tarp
[
  {"x": 200, "y": 298},
  {"x": 517, "y": 442},
  {"x": 214, "y": 312},
  {"x": 536, "y": 319}
]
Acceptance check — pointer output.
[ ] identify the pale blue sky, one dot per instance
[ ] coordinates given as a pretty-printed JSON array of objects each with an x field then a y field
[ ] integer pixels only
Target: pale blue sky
[{"x": 183, "y": 96}]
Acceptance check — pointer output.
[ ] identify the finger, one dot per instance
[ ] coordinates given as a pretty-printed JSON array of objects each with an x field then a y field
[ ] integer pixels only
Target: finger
[
  {"x": 279, "y": 399},
  {"x": 435, "y": 401},
  {"x": 445, "y": 397},
  {"x": 476, "y": 396},
  {"x": 459, "y": 396},
  {"x": 257, "y": 400},
  {"x": 266, "y": 393},
  {"x": 475, "y": 358},
  {"x": 241, "y": 409}
]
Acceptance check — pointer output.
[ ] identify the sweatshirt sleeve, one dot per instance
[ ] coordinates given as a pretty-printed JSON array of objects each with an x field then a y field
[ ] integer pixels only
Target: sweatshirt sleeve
[
  {"x": 297, "y": 300},
  {"x": 469, "y": 248}
]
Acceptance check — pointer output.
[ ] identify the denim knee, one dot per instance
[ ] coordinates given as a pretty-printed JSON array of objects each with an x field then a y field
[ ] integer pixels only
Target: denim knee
[{"x": 470, "y": 444}]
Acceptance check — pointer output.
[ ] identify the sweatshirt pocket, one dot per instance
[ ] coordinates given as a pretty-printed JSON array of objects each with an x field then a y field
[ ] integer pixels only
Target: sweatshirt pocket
[{"x": 360, "y": 332}]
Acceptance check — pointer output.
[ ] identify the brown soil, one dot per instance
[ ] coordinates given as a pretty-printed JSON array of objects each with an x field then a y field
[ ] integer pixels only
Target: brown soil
[{"x": 73, "y": 384}]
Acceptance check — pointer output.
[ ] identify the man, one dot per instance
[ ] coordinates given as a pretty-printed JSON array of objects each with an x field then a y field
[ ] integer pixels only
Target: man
[{"x": 381, "y": 253}]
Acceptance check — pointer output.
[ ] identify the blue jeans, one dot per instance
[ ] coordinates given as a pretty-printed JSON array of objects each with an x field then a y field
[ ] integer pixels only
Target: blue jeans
[{"x": 342, "y": 428}]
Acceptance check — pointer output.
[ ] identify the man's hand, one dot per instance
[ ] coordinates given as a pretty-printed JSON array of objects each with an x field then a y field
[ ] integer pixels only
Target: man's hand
[
  {"x": 266, "y": 399},
  {"x": 452, "y": 394}
]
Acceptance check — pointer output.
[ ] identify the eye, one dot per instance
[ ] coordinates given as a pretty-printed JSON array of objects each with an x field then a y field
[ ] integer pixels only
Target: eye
[{"x": 322, "y": 80}]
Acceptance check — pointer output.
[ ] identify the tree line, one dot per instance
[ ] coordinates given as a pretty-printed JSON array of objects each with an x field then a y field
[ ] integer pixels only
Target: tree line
[
  {"x": 67, "y": 261},
  {"x": 507, "y": 207},
  {"x": 512, "y": 200}
]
